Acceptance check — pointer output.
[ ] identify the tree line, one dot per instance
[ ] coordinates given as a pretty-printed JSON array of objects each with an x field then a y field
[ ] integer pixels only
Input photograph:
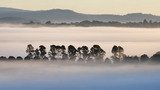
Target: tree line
[
  {"x": 93, "y": 54},
  {"x": 86, "y": 23}
]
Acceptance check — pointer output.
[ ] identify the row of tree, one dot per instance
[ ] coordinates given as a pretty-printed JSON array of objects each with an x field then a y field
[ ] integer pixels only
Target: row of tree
[
  {"x": 57, "y": 52},
  {"x": 95, "y": 53},
  {"x": 87, "y": 23}
]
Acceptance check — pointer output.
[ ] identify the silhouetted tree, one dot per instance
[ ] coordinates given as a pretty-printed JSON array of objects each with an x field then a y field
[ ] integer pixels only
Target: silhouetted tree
[
  {"x": 11, "y": 58},
  {"x": 131, "y": 59},
  {"x": 156, "y": 57},
  {"x": 118, "y": 53},
  {"x": 85, "y": 23},
  {"x": 144, "y": 58},
  {"x": 45, "y": 58},
  {"x": 108, "y": 61},
  {"x": 42, "y": 50},
  {"x": 85, "y": 52},
  {"x": 37, "y": 54},
  {"x": 64, "y": 54},
  {"x": 72, "y": 52},
  {"x": 52, "y": 52},
  {"x": 19, "y": 58},
  {"x": 31, "y": 22},
  {"x": 30, "y": 51},
  {"x": 115, "y": 52},
  {"x": 150, "y": 22},
  {"x": 136, "y": 59},
  {"x": 27, "y": 58},
  {"x": 145, "y": 22},
  {"x": 3, "y": 58},
  {"x": 59, "y": 54},
  {"x": 48, "y": 23},
  {"x": 97, "y": 53},
  {"x": 82, "y": 53},
  {"x": 79, "y": 55}
]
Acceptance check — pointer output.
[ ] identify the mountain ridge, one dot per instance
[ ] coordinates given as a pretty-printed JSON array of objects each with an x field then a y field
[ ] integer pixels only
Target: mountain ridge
[{"x": 66, "y": 15}]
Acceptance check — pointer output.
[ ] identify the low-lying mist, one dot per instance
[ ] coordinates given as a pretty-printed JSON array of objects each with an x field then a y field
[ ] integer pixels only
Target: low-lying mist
[
  {"x": 51, "y": 75},
  {"x": 68, "y": 75}
]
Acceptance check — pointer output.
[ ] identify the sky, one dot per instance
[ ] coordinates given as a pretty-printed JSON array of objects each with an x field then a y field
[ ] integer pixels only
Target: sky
[{"x": 89, "y": 6}]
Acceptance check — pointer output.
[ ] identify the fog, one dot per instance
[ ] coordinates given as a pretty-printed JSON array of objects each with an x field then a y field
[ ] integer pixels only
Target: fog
[
  {"x": 136, "y": 41},
  {"x": 52, "y": 75},
  {"x": 70, "y": 75}
]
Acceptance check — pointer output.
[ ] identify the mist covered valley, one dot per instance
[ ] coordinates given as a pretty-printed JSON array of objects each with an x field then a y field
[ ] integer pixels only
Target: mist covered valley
[
  {"x": 49, "y": 75},
  {"x": 68, "y": 76}
]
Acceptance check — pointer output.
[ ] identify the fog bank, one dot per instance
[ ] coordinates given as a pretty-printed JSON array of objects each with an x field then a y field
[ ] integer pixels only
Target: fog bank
[{"x": 68, "y": 76}]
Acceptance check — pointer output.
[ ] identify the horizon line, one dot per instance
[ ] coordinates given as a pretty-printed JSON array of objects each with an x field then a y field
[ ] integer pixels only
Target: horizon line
[{"x": 80, "y": 12}]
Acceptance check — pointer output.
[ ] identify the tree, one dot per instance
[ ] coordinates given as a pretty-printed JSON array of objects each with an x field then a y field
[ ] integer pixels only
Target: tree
[
  {"x": 82, "y": 53},
  {"x": 97, "y": 53},
  {"x": 144, "y": 58},
  {"x": 19, "y": 58},
  {"x": 64, "y": 54},
  {"x": 150, "y": 22},
  {"x": 58, "y": 52},
  {"x": 37, "y": 54},
  {"x": 115, "y": 52},
  {"x": 79, "y": 55},
  {"x": 121, "y": 53},
  {"x": 30, "y": 51},
  {"x": 11, "y": 58},
  {"x": 72, "y": 52},
  {"x": 3, "y": 58},
  {"x": 131, "y": 59},
  {"x": 108, "y": 61},
  {"x": 31, "y": 22},
  {"x": 85, "y": 52},
  {"x": 118, "y": 53},
  {"x": 42, "y": 50},
  {"x": 48, "y": 23},
  {"x": 58, "y": 55},
  {"x": 145, "y": 22},
  {"x": 52, "y": 52},
  {"x": 156, "y": 57}
]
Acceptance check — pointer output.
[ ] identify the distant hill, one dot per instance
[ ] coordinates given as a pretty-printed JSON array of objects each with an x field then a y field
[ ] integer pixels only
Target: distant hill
[{"x": 11, "y": 15}]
